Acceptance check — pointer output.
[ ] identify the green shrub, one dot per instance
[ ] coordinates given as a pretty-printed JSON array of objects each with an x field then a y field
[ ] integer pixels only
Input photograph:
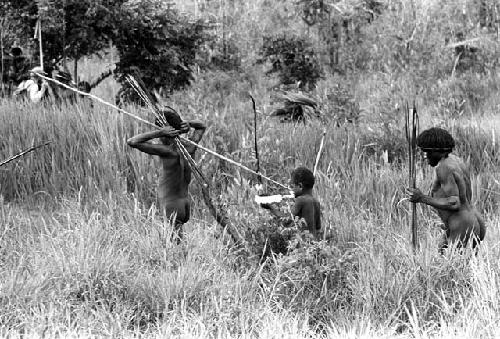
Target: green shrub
[{"x": 293, "y": 59}]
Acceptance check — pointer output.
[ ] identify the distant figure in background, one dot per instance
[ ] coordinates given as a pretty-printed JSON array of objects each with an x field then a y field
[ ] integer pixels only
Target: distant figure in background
[
  {"x": 306, "y": 207},
  {"x": 451, "y": 191},
  {"x": 175, "y": 173},
  {"x": 35, "y": 88}
]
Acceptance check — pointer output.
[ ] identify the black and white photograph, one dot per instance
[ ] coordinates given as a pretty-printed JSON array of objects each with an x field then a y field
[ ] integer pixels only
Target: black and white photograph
[{"x": 254, "y": 169}]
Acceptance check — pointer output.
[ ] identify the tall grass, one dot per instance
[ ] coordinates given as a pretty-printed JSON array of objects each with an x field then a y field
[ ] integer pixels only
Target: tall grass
[{"x": 85, "y": 253}]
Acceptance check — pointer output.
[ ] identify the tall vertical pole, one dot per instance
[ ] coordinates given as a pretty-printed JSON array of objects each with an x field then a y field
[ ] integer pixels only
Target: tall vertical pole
[
  {"x": 411, "y": 127},
  {"x": 414, "y": 175},
  {"x": 65, "y": 66},
  {"x": 39, "y": 34},
  {"x": 255, "y": 137},
  {"x": 3, "y": 65}
]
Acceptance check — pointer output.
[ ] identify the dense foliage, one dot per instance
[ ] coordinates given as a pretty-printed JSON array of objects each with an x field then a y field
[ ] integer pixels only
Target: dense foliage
[
  {"x": 157, "y": 42},
  {"x": 150, "y": 36},
  {"x": 293, "y": 59}
]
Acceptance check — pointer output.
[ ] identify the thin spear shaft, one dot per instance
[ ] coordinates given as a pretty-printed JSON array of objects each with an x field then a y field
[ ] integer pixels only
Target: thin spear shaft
[
  {"x": 414, "y": 175},
  {"x": 411, "y": 126},
  {"x": 3, "y": 64},
  {"x": 318, "y": 156},
  {"x": 5, "y": 162},
  {"x": 241, "y": 166},
  {"x": 255, "y": 137}
]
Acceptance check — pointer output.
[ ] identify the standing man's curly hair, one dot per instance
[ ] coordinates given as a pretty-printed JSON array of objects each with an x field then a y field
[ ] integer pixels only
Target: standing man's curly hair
[
  {"x": 435, "y": 139},
  {"x": 302, "y": 175},
  {"x": 170, "y": 116}
]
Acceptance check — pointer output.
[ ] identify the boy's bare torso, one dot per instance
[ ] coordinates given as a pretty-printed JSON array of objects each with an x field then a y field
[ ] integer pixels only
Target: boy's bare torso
[{"x": 308, "y": 207}]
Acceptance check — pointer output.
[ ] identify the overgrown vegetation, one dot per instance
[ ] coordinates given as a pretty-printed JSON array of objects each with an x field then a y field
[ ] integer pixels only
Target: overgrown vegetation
[
  {"x": 293, "y": 59},
  {"x": 84, "y": 251}
]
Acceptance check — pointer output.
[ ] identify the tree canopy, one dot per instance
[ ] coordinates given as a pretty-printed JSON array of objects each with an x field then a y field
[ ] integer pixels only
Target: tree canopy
[{"x": 150, "y": 35}]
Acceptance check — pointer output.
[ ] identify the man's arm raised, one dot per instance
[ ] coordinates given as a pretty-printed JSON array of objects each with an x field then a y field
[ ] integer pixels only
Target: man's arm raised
[
  {"x": 199, "y": 129},
  {"x": 142, "y": 142}
]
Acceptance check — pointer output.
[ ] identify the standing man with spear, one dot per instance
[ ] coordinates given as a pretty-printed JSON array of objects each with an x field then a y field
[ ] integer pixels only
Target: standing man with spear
[
  {"x": 451, "y": 191},
  {"x": 176, "y": 171}
]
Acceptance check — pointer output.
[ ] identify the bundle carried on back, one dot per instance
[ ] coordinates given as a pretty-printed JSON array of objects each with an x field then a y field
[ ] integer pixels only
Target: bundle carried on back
[{"x": 165, "y": 115}]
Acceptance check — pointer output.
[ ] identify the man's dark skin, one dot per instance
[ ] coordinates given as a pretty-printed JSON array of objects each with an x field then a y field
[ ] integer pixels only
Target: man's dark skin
[
  {"x": 306, "y": 206},
  {"x": 176, "y": 173},
  {"x": 451, "y": 195}
]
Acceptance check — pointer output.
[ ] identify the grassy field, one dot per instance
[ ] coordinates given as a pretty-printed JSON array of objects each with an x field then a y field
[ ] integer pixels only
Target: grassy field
[{"x": 84, "y": 253}]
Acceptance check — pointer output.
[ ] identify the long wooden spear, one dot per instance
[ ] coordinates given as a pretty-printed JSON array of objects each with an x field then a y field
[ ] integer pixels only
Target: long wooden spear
[
  {"x": 209, "y": 151},
  {"x": 255, "y": 137},
  {"x": 318, "y": 156},
  {"x": 38, "y": 35},
  {"x": 3, "y": 65},
  {"x": 5, "y": 162},
  {"x": 411, "y": 128}
]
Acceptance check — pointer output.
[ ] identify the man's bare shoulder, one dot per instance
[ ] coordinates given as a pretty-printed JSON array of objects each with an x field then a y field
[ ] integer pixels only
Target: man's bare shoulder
[{"x": 449, "y": 165}]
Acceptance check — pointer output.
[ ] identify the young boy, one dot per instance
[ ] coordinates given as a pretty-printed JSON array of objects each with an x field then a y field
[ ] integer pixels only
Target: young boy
[
  {"x": 306, "y": 206},
  {"x": 176, "y": 173}
]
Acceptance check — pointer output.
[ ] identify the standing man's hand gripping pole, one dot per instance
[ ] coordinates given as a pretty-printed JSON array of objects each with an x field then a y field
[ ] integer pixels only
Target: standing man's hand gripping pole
[{"x": 451, "y": 203}]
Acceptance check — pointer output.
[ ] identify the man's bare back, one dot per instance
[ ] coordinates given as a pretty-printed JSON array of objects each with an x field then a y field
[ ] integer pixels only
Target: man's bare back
[
  {"x": 465, "y": 221},
  {"x": 173, "y": 186},
  {"x": 451, "y": 191},
  {"x": 175, "y": 174}
]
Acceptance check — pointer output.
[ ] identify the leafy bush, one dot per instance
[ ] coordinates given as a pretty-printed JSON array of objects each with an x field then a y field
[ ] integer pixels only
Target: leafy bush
[
  {"x": 293, "y": 58},
  {"x": 161, "y": 46},
  {"x": 464, "y": 94},
  {"x": 313, "y": 277},
  {"x": 338, "y": 101}
]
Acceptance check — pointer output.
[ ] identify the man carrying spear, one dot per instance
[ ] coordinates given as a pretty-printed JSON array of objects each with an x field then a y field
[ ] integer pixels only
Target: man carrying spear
[
  {"x": 451, "y": 191},
  {"x": 176, "y": 172}
]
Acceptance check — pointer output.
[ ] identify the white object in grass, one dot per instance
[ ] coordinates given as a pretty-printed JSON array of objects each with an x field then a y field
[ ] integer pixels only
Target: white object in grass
[{"x": 269, "y": 199}]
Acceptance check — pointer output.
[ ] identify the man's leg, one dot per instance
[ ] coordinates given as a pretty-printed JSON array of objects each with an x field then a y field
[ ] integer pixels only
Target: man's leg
[
  {"x": 178, "y": 231},
  {"x": 443, "y": 244},
  {"x": 179, "y": 213}
]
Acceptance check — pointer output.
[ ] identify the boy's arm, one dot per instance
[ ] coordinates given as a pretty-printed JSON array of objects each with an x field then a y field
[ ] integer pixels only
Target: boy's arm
[
  {"x": 274, "y": 210},
  {"x": 142, "y": 142},
  {"x": 199, "y": 129},
  {"x": 296, "y": 211}
]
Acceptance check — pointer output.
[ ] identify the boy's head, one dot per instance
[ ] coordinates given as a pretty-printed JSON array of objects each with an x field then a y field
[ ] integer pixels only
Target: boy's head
[{"x": 301, "y": 179}]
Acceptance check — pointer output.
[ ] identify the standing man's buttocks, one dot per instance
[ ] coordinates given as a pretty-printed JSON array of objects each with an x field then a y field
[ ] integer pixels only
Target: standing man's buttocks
[{"x": 466, "y": 221}]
